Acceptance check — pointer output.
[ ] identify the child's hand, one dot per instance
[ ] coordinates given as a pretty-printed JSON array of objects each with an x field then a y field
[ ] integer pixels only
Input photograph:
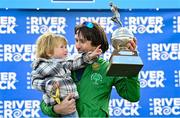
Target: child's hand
[
  {"x": 55, "y": 93},
  {"x": 96, "y": 52},
  {"x": 56, "y": 85}
]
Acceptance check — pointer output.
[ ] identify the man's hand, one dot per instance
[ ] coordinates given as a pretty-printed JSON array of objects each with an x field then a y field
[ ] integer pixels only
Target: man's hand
[
  {"x": 67, "y": 106},
  {"x": 132, "y": 44}
]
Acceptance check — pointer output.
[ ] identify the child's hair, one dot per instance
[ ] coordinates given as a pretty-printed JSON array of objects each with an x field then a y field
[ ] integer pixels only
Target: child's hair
[{"x": 46, "y": 43}]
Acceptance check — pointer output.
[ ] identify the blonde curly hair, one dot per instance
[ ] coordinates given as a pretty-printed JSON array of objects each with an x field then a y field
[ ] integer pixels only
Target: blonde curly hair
[{"x": 46, "y": 43}]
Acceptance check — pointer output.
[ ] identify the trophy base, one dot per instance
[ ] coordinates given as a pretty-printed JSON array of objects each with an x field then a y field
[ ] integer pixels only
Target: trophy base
[{"x": 124, "y": 65}]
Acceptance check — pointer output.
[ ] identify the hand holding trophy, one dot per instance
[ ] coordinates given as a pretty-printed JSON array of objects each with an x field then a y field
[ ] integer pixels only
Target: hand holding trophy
[{"x": 123, "y": 62}]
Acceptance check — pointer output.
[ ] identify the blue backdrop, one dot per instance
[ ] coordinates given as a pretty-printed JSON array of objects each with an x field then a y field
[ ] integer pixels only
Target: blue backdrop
[{"x": 157, "y": 32}]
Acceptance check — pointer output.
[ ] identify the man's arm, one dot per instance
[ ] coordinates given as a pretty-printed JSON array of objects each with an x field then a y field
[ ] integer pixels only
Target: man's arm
[
  {"x": 128, "y": 88},
  {"x": 67, "y": 106}
]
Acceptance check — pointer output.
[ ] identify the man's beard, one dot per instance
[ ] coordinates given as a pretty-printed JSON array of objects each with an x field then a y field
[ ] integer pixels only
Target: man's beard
[{"x": 80, "y": 52}]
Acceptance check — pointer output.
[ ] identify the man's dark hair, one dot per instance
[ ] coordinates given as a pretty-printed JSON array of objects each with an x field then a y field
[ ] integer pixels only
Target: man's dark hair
[{"x": 93, "y": 32}]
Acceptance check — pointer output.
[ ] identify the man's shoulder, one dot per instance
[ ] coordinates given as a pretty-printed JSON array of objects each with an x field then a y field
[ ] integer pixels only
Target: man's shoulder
[{"x": 102, "y": 61}]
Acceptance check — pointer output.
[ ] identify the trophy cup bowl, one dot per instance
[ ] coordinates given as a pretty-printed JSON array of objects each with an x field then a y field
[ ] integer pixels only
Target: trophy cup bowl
[
  {"x": 123, "y": 62},
  {"x": 120, "y": 38}
]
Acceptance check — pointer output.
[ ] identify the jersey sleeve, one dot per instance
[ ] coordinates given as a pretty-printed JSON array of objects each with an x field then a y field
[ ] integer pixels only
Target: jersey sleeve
[{"x": 128, "y": 88}]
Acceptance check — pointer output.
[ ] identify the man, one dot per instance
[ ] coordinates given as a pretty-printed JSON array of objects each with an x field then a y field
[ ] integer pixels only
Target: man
[{"x": 93, "y": 85}]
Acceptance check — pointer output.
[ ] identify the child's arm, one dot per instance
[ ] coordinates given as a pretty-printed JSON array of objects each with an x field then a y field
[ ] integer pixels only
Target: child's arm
[
  {"x": 38, "y": 83},
  {"x": 91, "y": 56},
  {"x": 42, "y": 75},
  {"x": 81, "y": 60}
]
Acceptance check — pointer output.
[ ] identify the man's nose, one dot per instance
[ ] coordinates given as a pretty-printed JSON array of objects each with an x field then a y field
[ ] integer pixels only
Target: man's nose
[{"x": 78, "y": 46}]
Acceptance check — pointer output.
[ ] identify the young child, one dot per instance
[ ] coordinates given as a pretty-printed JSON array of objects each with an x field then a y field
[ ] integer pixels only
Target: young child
[{"x": 51, "y": 70}]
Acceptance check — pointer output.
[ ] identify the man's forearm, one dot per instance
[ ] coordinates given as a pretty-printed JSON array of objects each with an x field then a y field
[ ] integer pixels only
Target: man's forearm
[{"x": 47, "y": 110}]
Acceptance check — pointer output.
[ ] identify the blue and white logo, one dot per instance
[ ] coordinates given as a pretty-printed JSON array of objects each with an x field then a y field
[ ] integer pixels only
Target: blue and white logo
[
  {"x": 164, "y": 106},
  {"x": 40, "y": 25},
  {"x": 163, "y": 51},
  {"x": 121, "y": 107},
  {"x": 106, "y": 23},
  {"x": 17, "y": 52},
  {"x": 152, "y": 79},
  {"x": 20, "y": 109},
  {"x": 148, "y": 24},
  {"x": 7, "y": 25},
  {"x": 8, "y": 80}
]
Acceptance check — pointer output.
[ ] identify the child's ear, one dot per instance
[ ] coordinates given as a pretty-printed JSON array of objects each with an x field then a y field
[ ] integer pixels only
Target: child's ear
[{"x": 49, "y": 53}]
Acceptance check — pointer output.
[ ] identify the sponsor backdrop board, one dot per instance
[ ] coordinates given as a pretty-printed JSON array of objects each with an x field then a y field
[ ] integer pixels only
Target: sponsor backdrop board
[{"x": 157, "y": 32}]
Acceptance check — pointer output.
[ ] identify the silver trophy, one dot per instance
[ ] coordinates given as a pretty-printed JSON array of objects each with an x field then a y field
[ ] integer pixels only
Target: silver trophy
[{"x": 123, "y": 62}]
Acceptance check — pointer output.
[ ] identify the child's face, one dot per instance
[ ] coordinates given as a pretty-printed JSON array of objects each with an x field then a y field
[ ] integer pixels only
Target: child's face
[{"x": 60, "y": 51}]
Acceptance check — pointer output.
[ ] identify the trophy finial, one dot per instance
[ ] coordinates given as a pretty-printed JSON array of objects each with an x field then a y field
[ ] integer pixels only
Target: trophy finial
[{"x": 116, "y": 17}]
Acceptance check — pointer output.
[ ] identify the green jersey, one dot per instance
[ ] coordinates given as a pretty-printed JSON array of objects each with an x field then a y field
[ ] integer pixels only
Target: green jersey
[{"x": 94, "y": 90}]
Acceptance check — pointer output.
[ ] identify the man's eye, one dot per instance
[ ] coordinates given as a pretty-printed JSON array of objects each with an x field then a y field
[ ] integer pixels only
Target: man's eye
[{"x": 82, "y": 41}]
